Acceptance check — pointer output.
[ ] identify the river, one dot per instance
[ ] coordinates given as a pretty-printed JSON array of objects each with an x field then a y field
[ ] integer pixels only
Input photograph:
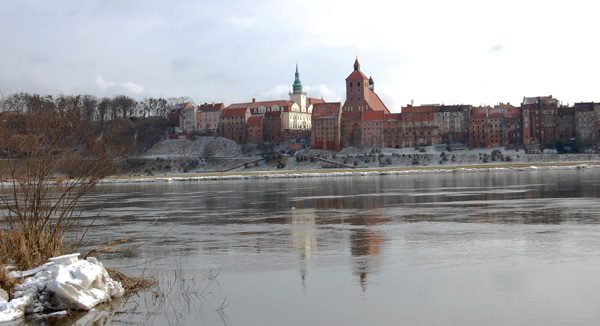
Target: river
[{"x": 485, "y": 248}]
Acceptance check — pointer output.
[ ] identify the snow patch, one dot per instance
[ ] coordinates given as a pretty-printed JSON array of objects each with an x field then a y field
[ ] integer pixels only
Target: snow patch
[{"x": 64, "y": 283}]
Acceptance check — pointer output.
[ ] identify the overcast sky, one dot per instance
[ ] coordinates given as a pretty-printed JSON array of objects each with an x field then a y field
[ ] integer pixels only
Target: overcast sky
[{"x": 428, "y": 51}]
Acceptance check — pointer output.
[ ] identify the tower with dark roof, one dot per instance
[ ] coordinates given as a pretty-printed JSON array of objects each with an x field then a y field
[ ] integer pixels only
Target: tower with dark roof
[
  {"x": 297, "y": 95},
  {"x": 360, "y": 94},
  {"x": 297, "y": 86}
]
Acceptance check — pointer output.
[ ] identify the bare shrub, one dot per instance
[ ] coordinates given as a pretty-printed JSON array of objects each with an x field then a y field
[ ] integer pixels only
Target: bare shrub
[{"x": 52, "y": 160}]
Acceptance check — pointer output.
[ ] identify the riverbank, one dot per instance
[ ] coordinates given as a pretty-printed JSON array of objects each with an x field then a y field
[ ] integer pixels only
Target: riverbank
[{"x": 397, "y": 170}]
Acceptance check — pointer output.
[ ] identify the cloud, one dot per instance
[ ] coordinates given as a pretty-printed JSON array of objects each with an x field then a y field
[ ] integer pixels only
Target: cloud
[
  {"x": 276, "y": 92},
  {"x": 323, "y": 91},
  {"x": 496, "y": 48},
  {"x": 244, "y": 22},
  {"x": 128, "y": 86}
]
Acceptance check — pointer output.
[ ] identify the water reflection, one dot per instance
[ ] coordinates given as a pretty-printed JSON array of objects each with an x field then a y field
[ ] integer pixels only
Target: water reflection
[
  {"x": 304, "y": 238},
  {"x": 295, "y": 245}
]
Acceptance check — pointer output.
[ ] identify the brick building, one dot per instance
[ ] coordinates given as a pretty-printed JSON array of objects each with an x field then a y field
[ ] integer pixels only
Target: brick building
[
  {"x": 360, "y": 93},
  {"x": 255, "y": 130},
  {"x": 363, "y": 113},
  {"x": 513, "y": 125},
  {"x": 273, "y": 127},
  {"x": 488, "y": 127},
  {"x": 207, "y": 117},
  {"x": 565, "y": 124},
  {"x": 539, "y": 121},
  {"x": 587, "y": 124},
  {"x": 392, "y": 130},
  {"x": 372, "y": 129},
  {"x": 452, "y": 122},
  {"x": 419, "y": 126},
  {"x": 326, "y": 132},
  {"x": 350, "y": 128},
  {"x": 234, "y": 123}
]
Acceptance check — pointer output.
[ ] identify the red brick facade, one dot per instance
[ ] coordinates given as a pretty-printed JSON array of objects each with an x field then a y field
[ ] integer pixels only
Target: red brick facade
[
  {"x": 233, "y": 124},
  {"x": 418, "y": 124},
  {"x": 255, "y": 130},
  {"x": 326, "y": 133},
  {"x": 539, "y": 121}
]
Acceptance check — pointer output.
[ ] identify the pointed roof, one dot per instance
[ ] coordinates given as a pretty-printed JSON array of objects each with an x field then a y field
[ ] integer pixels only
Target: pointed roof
[
  {"x": 356, "y": 74},
  {"x": 297, "y": 87}
]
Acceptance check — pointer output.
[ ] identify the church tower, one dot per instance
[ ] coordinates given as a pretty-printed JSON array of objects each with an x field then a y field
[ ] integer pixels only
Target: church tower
[
  {"x": 357, "y": 86},
  {"x": 360, "y": 93},
  {"x": 297, "y": 95}
]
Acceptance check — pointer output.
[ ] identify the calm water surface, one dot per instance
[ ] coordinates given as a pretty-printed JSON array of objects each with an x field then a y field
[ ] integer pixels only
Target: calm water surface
[{"x": 493, "y": 248}]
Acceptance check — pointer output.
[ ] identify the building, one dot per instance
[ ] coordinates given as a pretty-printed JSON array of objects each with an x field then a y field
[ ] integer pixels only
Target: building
[
  {"x": 326, "y": 132},
  {"x": 350, "y": 128},
  {"x": 255, "y": 130},
  {"x": 187, "y": 117},
  {"x": 587, "y": 124},
  {"x": 392, "y": 130},
  {"x": 565, "y": 125},
  {"x": 283, "y": 119},
  {"x": 359, "y": 125},
  {"x": 207, "y": 117},
  {"x": 488, "y": 127},
  {"x": 419, "y": 126},
  {"x": 234, "y": 124},
  {"x": 360, "y": 93},
  {"x": 372, "y": 128},
  {"x": 273, "y": 127},
  {"x": 539, "y": 121},
  {"x": 452, "y": 122},
  {"x": 514, "y": 124}
]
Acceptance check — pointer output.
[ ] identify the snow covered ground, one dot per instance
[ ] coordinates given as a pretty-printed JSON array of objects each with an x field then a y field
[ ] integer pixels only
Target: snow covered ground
[{"x": 198, "y": 147}]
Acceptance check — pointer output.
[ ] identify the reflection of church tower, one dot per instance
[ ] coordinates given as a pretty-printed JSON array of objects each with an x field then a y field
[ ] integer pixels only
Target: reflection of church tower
[
  {"x": 297, "y": 95},
  {"x": 365, "y": 247},
  {"x": 304, "y": 238}
]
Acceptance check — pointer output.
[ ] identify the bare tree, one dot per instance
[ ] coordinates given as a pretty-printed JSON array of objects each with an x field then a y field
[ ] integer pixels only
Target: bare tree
[{"x": 51, "y": 159}]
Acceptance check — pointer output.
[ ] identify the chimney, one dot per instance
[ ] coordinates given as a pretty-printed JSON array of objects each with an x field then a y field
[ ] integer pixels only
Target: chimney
[{"x": 253, "y": 100}]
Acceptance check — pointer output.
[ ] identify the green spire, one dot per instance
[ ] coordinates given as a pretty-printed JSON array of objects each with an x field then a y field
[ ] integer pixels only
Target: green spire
[{"x": 297, "y": 87}]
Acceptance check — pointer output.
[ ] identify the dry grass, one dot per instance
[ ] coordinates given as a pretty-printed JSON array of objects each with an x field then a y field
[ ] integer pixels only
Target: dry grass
[
  {"x": 131, "y": 284},
  {"x": 18, "y": 250}
]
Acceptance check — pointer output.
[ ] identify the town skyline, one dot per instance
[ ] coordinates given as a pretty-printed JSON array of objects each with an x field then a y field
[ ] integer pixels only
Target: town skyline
[{"x": 459, "y": 53}]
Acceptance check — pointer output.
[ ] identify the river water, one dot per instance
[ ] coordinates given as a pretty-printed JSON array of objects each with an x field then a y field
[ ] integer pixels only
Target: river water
[{"x": 489, "y": 248}]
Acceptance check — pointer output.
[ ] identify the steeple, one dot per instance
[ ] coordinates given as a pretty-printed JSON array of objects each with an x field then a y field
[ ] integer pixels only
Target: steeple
[
  {"x": 356, "y": 65},
  {"x": 371, "y": 84},
  {"x": 297, "y": 87}
]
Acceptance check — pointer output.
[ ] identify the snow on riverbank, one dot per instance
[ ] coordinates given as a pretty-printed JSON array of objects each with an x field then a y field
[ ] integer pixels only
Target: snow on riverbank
[
  {"x": 341, "y": 173},
  {"x": 66, "y": 282}
]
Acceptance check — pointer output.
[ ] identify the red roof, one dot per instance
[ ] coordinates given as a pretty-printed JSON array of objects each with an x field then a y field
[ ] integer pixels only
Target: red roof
[
  {"x": 373, "y": 116},
  {"x": 234, "y": 112},
  {"x": 272, "y": 114},
  {"x": 255, "y": 120},
  {"x": 419, "y": 109},
  {"x": 206, "y": 107},
  {"x": 255, "y": 105},
  {"x": 312, "y": 100},
  {"x": 357, "y": 75},
  {"x": 326, "y": 110}
]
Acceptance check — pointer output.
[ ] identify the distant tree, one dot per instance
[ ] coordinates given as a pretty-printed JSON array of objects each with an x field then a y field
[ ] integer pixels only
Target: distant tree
[
  {"x": 104, "y": 108},
  {"x": 89, "y": 106},
  {"x": 123, "y": 106}
]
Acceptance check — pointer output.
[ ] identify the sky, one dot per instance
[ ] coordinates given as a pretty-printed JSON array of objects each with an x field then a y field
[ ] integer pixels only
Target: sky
[{"x": 424, "y": 52}]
